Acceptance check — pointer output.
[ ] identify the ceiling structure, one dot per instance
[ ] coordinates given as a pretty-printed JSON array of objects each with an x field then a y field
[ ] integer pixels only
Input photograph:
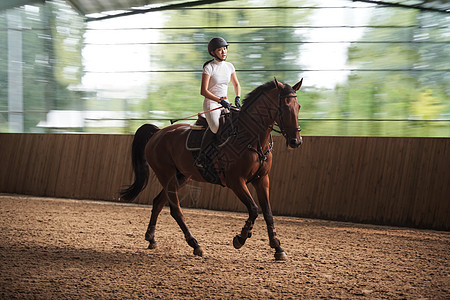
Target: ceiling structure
[
  {"x": 118, "y": 8},
  {"x": 428, "y": 5},
  {"x": 86, "y": 7},
  {"x": 95, "y": 10}
]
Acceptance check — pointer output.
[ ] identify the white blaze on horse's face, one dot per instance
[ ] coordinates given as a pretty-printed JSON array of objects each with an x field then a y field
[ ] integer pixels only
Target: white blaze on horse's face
[{"x": 288, "y": 114}]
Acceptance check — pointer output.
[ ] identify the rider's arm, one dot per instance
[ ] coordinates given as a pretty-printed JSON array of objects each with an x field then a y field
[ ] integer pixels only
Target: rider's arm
[
  {"x": 235, "y": 82},
  {"x": 204, "y": 89}
]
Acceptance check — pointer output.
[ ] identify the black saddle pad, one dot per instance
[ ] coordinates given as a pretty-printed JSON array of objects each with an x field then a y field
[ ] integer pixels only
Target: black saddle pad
[{"x": 194, "y": 140}]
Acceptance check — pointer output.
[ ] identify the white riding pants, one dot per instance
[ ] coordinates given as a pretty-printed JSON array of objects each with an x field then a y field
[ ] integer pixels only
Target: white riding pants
[{"x": 212, "y": 117}]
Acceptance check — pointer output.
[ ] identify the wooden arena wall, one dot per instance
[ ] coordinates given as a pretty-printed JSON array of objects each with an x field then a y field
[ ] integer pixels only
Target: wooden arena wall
[{"x": 390, "y": 181}]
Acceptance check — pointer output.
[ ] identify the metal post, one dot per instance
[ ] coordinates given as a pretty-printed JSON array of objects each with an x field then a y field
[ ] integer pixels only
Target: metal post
[{"x": 15, "y": 72}]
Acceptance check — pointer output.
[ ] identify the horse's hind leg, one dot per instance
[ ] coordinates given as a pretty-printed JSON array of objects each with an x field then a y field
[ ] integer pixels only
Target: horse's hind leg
[
  {"x": 177, "y": 214},
  {"x": 158, "y": 204},
  {"x": 171, "y": 186}
]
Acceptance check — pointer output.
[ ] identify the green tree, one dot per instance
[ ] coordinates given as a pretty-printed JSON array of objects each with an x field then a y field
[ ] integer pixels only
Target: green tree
[{"x": 409, "y": 67}]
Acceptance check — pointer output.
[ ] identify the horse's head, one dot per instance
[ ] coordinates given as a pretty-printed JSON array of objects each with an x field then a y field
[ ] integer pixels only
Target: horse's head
[{"x": 287, "y": 117}]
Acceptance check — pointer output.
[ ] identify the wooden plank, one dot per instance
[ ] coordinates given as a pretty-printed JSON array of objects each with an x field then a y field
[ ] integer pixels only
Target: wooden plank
[
  {"x": 122, "y": 163},
  {"x": 9, "y": 155},
  {"x": 18, "y": 174},
  {"x": 67, "y": 149},
  {"x": 37, "y": 170}
]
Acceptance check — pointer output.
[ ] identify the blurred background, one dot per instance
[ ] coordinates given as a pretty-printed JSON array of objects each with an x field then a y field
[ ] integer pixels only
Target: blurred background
[{"x": 368, "y": 69}]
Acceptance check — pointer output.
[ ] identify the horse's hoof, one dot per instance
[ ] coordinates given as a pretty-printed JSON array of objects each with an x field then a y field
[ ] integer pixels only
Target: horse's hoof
[
  {"x": 198, "y": 251},
  {"x": 152, "y": 245},
  {"x": 238, "y": 242},
  {"x": 280, "y": 255}
]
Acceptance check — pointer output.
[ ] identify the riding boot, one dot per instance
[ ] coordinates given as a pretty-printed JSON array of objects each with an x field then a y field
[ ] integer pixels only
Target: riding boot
[{"x": 208, "y": 140}]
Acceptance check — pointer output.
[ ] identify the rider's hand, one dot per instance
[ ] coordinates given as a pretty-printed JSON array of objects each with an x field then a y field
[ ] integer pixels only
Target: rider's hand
[
  {"x": 225, "y": 104},
  {"x": 237, "y": 101}
]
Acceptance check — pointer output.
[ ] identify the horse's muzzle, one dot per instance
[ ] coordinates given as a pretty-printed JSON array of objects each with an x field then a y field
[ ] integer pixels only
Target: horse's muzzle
[{"x": 295, "y": 142}]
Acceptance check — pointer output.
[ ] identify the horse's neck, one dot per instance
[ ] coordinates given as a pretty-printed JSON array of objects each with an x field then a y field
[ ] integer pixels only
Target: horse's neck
[{"x": 258, "y": 119}]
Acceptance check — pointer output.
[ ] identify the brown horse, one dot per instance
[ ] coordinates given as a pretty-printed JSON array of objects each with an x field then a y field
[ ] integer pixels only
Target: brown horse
[{"x": 245, "y": 158}]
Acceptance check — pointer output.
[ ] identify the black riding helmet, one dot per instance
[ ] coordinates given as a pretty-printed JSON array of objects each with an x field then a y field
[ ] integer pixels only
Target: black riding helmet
[{"x": 216, "y": 43}]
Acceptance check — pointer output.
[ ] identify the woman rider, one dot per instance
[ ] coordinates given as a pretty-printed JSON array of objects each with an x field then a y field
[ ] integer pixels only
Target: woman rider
[{"x": 216, "y": 75}]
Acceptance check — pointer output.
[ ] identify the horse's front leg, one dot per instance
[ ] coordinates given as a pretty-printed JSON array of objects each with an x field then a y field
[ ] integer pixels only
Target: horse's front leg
[
  {"x": 242, "y": 192},
  {"x": 262, "y": 189}
]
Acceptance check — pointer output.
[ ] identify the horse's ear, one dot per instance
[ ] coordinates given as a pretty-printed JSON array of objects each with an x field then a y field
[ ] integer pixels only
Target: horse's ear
[
  {"x": 298, "y": 85},
  {"x": 277, "y": 83}
]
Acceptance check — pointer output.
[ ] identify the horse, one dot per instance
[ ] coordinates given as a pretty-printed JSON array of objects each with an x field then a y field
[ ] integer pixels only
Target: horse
[{"x": 245, "y": 158}]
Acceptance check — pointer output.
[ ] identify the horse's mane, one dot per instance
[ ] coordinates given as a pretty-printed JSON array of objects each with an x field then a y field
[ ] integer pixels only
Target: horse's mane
[
  {"x": 256, "y": 93},
  {"x": 253, "y": 95}
]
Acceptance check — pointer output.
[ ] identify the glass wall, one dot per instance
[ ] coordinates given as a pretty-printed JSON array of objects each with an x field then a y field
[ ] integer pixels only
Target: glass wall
[
  {"x": 40, "y": 65},
  {"x": 368, "y": 70}
]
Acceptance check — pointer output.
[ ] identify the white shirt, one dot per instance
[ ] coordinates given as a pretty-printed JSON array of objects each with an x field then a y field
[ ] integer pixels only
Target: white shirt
[{"x": 220, "y": 75}]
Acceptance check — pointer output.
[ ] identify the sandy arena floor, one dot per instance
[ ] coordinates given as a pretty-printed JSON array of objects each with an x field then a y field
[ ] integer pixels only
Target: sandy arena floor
[{"x": 60, "y": 248}]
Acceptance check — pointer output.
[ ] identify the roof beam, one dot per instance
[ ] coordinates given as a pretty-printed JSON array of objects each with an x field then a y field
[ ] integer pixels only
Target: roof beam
[
  {"x": 414, "y": 6},
  {"x": 160, "y": 8}
]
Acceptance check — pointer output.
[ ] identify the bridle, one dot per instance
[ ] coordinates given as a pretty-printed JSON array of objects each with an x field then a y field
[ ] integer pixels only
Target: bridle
[{"x": 280, "y": 116}]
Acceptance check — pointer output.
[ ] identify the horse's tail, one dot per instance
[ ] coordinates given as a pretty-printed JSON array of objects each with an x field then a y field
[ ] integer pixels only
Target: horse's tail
[{"x": 140, "y": 166}]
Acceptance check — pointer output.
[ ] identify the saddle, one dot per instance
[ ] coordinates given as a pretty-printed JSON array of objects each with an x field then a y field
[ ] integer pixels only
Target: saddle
[{"x": 212, "y": 171}]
